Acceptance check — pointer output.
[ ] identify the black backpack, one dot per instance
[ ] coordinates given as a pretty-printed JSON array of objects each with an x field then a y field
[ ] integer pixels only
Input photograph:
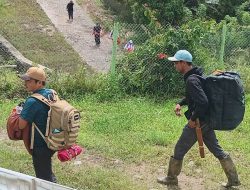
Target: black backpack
[{"x": 226, "y": 98}]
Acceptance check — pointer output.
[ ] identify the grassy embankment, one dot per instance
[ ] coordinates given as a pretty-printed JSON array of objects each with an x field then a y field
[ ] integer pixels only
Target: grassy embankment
[
  {"x": 123, "y": 139},
  {"x": 26, "y": 26}
]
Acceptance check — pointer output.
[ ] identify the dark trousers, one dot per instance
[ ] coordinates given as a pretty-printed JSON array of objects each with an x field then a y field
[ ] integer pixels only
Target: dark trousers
[
  {"x": 188, "y": 138},
  {"x": 42, "y": 163},
  {"x": 97, "y": 39},
  {"x": 70, "y": 13}
]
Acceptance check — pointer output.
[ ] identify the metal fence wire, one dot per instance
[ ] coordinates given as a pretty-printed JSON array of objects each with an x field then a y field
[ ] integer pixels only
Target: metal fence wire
[
  {"x": 230, "y": 43},
  {"x": 144, "y": 60},
  {"x": 145, "y": 64}
]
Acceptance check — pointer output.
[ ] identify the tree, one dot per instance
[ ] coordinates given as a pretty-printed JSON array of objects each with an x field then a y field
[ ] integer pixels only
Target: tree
[
  {"x": 223, "y": 8},
  {"x": 173, "y": 12},
  {"x": 166, "y": 12}
]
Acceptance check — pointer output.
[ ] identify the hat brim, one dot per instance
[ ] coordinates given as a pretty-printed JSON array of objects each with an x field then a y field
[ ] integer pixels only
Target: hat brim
[
  {"x": 24, "y": 77},
  {"x": 173, "y": 59}
]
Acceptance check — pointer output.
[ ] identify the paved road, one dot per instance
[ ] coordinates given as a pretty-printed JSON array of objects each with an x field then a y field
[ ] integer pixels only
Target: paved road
[{"x": 79, "y": 33}]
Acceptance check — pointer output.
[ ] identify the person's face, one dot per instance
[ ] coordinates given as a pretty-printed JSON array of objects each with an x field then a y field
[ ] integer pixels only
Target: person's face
[
  {"x": 31, "y": 85},
  {"x": 179, "y": 66}
]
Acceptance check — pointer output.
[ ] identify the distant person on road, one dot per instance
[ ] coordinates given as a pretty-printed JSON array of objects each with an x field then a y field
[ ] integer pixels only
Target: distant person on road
[
  {"x": 129, "y": 46},
  {"x": 70, "y": 10},
  {"x": 97, "y": 33},
  {"x": 35, "y": 112}
]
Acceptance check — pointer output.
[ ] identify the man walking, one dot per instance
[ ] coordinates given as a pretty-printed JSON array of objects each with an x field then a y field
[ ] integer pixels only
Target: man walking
[
  {"x": 197, "y": 102},
  {"x": 70, "y": 10},
  {"x": 97, "y": 33},
  {"x": 36, "y": 112}
]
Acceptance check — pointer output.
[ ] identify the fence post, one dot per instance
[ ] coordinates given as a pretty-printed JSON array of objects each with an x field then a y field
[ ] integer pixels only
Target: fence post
[
  {"x": 114, "y": 48},
  {"x": 222, "y": 48}
]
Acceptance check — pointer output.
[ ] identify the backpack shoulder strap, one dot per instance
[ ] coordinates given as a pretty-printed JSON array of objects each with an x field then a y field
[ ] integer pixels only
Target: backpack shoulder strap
[
  {"x": 55, "y": 95},
  {"x": 201, "y": 78},
  {"x": 52, "y": 98},
  {"x": 41, "y": 98},
  {"x": 33, "y": 127}
]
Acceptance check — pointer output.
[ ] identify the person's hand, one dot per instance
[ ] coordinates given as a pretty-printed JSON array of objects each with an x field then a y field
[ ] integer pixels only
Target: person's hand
[
  {"x": 177, "y": 110},
  {"x": 192, "y": 124}
]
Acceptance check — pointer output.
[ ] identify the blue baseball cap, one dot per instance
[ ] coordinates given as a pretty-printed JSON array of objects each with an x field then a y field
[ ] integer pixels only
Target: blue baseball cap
[{"x": 182, "y": 55}]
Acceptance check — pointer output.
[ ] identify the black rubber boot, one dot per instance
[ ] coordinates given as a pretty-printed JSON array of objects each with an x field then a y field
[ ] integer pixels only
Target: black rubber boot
[
  {"x": 174, "y": 169},
  {"x": 230, "y": 171}
]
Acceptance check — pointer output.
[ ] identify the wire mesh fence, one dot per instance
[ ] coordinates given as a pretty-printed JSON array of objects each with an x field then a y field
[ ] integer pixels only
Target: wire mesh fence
[
  {"x": 141, "y": 54},
  {"x": 236, "y": 44}
]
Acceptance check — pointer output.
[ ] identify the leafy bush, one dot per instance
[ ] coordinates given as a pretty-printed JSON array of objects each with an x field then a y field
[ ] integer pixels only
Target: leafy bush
[
  {"x": 10, "y": 85},
  {"x": 243, "y": 14},
  {"x": 109, "y": 89},
  {"x": 121, "y": 9},
  {"x": 75, "y": 85},
  {"x": 201, "y": 11},
  {"x": 238, "y": 37},
  {"x": 81, "y": 83},
  {"x": 246, "y": 18},
  {"x": 144, "y": 73},
  {"x": 67, "y": 85}
]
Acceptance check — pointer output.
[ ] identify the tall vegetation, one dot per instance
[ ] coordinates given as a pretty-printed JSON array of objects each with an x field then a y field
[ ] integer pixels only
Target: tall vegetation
[
  {"x": 175, "y": 12},
  {"x": 170, "y": 25},
  {"x": 223, "y": 8},
  {"x": 145, "y": 72}
]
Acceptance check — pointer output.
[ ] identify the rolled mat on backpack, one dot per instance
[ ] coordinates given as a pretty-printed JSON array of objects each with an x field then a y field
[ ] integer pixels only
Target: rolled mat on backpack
[{"x": 69, "y": 153}]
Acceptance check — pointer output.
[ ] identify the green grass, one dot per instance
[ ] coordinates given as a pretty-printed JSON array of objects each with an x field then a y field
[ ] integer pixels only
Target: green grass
[
  {"x": 136, "y": 121},
  {"x": 24, "y": 25},
  {"x": 133, "y": 131},
  {"x": 121, "y": 137}
]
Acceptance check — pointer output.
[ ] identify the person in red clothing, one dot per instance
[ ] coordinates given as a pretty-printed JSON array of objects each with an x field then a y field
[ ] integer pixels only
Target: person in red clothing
[{"x": 129, "y": 46}]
